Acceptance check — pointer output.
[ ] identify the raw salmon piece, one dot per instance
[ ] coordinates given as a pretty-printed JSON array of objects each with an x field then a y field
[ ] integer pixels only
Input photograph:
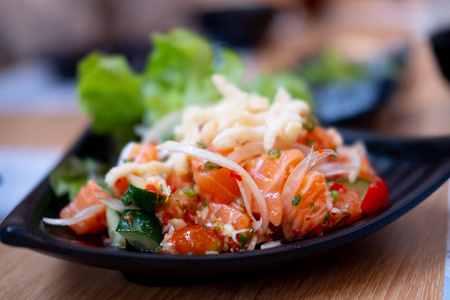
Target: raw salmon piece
[
  {"x": 217, "y": 185},
  {"x": 366, "y": 170},
  {"x": 349, "y": 206},
  {"x": 319, "y": 138},
  {"x": 225, "y": 214},
  {"x": 180, "y": 205},
  {"x": 179, "y": 182},
  {"x": 306, "y": 218},
  {"x": 270, "y": 174},
  {"x": 146, "y": 154},
  {"x": 87, "y": 197}
]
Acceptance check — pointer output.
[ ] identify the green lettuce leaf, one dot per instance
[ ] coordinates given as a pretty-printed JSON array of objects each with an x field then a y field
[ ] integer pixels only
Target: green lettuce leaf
[
  {"x": 73, "y": 173},
  {"x": 109, "y": 91},
  {"x": 178, "y": 72}
]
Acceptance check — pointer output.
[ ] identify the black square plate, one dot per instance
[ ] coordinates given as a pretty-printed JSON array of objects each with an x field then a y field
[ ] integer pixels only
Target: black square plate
[{"x": 412, "y": 168}]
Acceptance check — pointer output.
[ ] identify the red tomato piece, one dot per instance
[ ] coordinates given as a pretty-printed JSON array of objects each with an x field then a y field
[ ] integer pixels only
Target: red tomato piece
[
  {"x": 376, "y": 196},
  {"x": 195, "y": 239}
]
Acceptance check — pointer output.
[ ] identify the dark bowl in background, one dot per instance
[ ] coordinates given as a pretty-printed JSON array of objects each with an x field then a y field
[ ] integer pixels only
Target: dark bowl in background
[
  {"x": 440, "y": 42},
  {"x": 237, "y": 26},
  {"x": 355, "y": 101}
]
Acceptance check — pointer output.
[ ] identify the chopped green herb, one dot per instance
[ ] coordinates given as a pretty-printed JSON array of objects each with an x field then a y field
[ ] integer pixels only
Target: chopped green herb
[
  {"x": 127, "y": 160},
  {"x": 250, "y": 234},
  {"x": 309, "y": 124},
  {"x": 345, "y": 218},
  {"x": 189, "y": 191},
  {"x": 209, "y": 166},
  {"x": 243, "y": 239},
  {"x": 312, "y": 206},
  {"x": 157, "y": 249},
  {"x": 206, "y": 227},
  {"x": 201, "y": 145},
  {"x": 310, "y": 142},
  {"x": 326, "y": 218},
  {"x": 218, "y": 227},
  {"x": 205, "y": 203},
  {"x": 193, "y": 207},
  {"x": 178, "y": 201},
  {"x": 274, "y": 154},
  {"x": 296, "y": 200},
  {"x": 334, "y": 194}
]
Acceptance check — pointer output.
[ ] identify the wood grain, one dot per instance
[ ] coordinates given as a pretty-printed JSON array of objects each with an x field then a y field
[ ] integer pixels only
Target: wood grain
[
  {"x": 41, "y": 129},
  {"x": 404, "y": 260}
]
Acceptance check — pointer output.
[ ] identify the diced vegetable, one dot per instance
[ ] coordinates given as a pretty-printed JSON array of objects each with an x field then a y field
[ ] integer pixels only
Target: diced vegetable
[
  {"x": 113, "y": 218},
  {"x": 145, "y": 200},
  {"x": 376, "y": 196},
  {"x": 360, "y": 185},
  {"x": 140, "y": 229}
]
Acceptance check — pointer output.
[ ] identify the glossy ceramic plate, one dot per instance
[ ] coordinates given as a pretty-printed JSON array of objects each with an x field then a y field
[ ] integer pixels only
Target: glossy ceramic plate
[{"x": 412, "y": 168}]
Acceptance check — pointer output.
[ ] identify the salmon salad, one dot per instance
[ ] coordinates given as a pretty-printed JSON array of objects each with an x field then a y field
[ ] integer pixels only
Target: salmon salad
[{"x": 245, "y": 173}]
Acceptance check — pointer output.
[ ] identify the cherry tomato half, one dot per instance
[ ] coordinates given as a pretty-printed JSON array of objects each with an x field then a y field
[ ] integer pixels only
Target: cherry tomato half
[
  {"x": 195, "y": 239},
  {"x": 376, "y": 196}
]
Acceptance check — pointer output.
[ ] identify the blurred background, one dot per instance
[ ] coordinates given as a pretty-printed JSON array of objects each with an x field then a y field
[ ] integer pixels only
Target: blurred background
[{"x": 376, "y": 65}]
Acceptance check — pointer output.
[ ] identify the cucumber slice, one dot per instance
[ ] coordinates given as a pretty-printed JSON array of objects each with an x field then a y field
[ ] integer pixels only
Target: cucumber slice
[
  {"x": 141, "y": 229},
  {"x": 360, "y": 185},
  {"x": 145, "y": 200},
  {"x": 113, "y": 218}
]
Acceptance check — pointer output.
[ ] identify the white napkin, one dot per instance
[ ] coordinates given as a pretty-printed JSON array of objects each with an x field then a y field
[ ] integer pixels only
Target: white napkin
[{"x": 21, "y": 169}]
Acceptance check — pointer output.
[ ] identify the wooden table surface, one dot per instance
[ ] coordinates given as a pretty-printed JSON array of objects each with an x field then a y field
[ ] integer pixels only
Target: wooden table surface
[{"x": 404, "y": 260}]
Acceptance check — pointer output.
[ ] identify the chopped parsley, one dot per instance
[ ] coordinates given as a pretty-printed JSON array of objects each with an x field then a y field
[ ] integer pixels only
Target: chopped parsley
[
  {"x": 334, "y": 194},
  {"x": 274, "y": 154},
  {"x": 296, "y": 200},
  {"x": 127, "y": 160},
  {"x": 312, "y": 206},
  {"x": 205, "y": 203},
  {"x": 209, "y": 166},
  {"x": 309, "y": 124},
  {"x": 218, "y": 227},
  {"x": 193, "y": 207},
  {"x": 326, "y": 218},
  {"x": 179, "y": 203},
  {"x": 310, "y": 142},
  {"x": 243, "y": 239},
  {"x": 345, "y": 218},
  {"x": 189, "y": 191},
  {"x": 201, "y": 145}
]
